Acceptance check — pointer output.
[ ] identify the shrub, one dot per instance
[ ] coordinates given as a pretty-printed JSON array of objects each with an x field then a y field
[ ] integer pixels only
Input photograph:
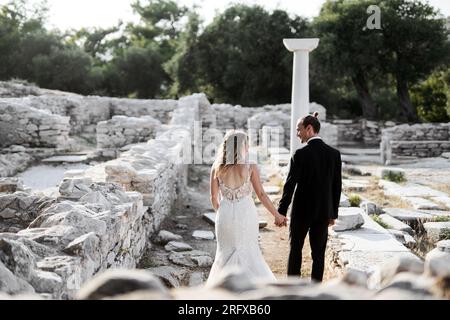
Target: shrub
[
  {"x": 355, "y": 200},
  {"x": 393, "y": 175}
]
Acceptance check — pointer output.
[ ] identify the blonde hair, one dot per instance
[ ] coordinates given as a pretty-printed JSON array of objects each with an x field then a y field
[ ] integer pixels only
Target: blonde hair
[{"x": 230, "y": 151}]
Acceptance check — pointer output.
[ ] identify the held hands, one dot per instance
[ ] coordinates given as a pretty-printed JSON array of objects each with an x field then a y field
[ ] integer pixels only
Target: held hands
[
  {"x": 331, "y": 222},
  {"x": 280, "y": 220}
]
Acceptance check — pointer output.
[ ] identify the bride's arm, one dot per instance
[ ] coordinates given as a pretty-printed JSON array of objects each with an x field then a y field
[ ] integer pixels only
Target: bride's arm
[
  {"x": 214, "y": 190},
  {"x": 262, "y": 195}
]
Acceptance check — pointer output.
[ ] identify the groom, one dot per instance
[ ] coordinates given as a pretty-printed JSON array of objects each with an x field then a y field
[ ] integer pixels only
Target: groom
[{"x": 316, "y": 172}]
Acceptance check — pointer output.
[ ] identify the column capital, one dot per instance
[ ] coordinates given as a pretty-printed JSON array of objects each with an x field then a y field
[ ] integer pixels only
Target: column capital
[{"x": 293, "y": 44}]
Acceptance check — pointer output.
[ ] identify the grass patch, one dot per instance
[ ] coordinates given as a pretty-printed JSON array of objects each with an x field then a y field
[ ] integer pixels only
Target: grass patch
[
  {"x": 375, "y": 194},
  {"x": 393, "y": 176},
  {"x": 445, "y": 235},
  {"x": 440, "y": 219},
  {"x": 378, "y": 220},
  {"x": 423, "y": 245},
  {"x": 355, "y": 200}
]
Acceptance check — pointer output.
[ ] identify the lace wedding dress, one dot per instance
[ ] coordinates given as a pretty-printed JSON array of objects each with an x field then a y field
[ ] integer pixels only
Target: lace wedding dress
[{"x": 237, "y": 230}]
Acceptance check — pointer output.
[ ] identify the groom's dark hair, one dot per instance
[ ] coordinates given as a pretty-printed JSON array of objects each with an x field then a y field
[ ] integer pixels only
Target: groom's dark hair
[{"x": 313, "y": 121}]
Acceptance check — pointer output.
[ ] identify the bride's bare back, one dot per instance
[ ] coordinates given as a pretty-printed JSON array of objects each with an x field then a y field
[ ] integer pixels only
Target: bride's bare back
[{"x": 236, "y": 176}]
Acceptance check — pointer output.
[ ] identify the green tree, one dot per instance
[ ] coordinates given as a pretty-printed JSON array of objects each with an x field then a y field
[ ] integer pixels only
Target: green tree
[
  {"x": 447, "y": 81},
  {"x": 414, "y": 44},
  {"x": 431, "y": 97},
  {"x": 240, "y": 58},
  {"x": 9, "y": 40},
  {"x": 182, "y": 66},
  {"x": 67, "y": 69},
  {"x": 348, "y": 49},
  {"x": 141, "y": 70},
  {"x": 31, "y": 45},
  {"x": 162, "y": 22},
  {"x": 96, "y": 42},
  {"x": 17, "y": 19},
  {"x": 139, "y": 56}
]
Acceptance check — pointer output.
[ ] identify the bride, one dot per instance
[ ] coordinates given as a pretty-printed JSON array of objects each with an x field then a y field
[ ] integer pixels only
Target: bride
[{"x": 237, "y": 223}]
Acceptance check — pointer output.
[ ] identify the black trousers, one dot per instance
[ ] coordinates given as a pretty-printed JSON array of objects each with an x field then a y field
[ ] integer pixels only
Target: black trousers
[{"x": 318, "y": 236}]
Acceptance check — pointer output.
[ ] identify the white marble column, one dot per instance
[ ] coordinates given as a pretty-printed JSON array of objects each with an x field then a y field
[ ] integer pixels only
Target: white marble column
[{"x": 300, "y": 83}]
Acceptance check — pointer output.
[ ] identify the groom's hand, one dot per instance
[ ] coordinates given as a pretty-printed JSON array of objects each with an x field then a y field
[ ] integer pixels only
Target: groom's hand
[
  {"x": 280, "y": 220},
  {"x": 331, "y": 222},
  {"x": 284, "y": 224}
]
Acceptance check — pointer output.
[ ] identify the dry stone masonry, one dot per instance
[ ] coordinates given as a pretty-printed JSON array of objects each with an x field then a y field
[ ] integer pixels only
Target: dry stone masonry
[
  {"x": 51, "y": 246},
  {"x": 23, "y": 125},
  {"x": 360, "y": 131},
  {"x": 406, "y": 142},
  {"x": 121, "y": 131}
]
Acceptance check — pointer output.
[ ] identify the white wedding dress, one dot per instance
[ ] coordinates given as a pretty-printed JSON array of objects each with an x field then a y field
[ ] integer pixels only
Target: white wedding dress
[{"x": 237, "y": 230}]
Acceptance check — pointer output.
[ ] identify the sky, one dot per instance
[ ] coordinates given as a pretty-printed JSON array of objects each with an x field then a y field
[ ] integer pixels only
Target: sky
[{"x": 66, "y": 14}]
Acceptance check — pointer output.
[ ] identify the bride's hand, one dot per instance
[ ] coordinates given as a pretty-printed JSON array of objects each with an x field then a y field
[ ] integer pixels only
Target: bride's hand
[{"x": 280, "y": 220}]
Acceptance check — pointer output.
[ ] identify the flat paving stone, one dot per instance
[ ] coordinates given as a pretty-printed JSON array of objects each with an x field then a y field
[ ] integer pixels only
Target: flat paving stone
[
  {"x": 203, "y": 235},
  {"x": 437, "y": 213},
  {"x": 210, "y": 217},
  {"x": 367, "y": 261},
  {"x": 177, "y": 246},
  {"x": 371, "y": 242},
  {"x": 407, "y": 215},
  {"x": 349, "y": 219},
  {"x": 409, "y": 190},
  {"x": 396, "y": 224},
  {"x": 355, "y": 185},
  {"x": 369, "y": 226},
  {"x": 444, "y": 200},
  {"x": 421, "y": 203}
]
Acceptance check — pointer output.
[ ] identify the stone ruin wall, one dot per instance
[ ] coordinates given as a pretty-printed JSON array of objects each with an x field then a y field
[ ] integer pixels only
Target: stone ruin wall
[
  {"x": 121, "y": 131},
  {"x": 86, "y": 112},
  {"x": 52, "y": 246},
  {"x": 360, "y": 131},
  {"x": 268, "y": 125},
  {"x": 24, "y": 125},
  {"x": 406, "y": 142}
]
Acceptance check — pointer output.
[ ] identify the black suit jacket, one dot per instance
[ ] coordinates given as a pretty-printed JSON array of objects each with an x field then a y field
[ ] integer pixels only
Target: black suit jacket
[{"x": 315, "y": 170}]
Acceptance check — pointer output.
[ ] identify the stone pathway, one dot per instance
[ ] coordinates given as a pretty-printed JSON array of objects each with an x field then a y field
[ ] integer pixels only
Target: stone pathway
[
  {"x": 414, "y": 212},
  {"x": 188, "y": 258},
  {"x": 365, "y": 247}
]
